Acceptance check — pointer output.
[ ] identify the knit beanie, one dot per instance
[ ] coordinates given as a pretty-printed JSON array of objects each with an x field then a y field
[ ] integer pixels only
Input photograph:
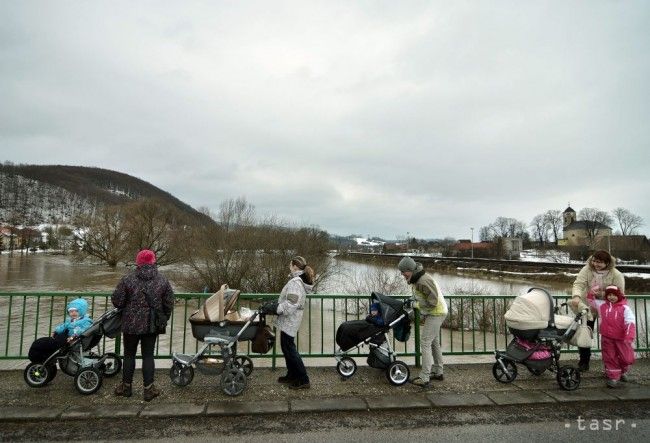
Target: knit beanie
[
  {"x": 407, "y": 264},
  {"x": 375, "y": 307},
  {"x": 145, "y": 257}
]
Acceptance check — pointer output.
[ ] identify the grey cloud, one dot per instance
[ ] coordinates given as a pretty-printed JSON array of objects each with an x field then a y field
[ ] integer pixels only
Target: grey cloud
[{"x": 427, "y": 117}]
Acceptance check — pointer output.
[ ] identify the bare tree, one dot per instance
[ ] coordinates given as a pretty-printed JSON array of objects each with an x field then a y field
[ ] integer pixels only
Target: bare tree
[
  {"x": 248, "y": 255},
  {"x": 555, "y": 222},
  {"x": 595, "y": 222},
  {"x": 102, "y": 235},
  {"x": 205, "y": 211},
  {"x": 374, "y": 279},
  {"x": 540, "y": 228},
  {"x": 155, "y": 225},
  {"x": 627, "y": 221},
  {"x": 236, "y": 212},
  {"x": 503, "y": 227},
  {"x": 484, "y": 233},
  {"x": 12, "y": 223}
]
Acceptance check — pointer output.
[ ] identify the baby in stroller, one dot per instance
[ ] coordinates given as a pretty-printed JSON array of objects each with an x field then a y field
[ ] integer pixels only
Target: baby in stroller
[
  {"x": 375, "y": 315},
  {"x": 216, "y": 324},
  {"x": 75, "y": 323},
  {"x": 71, "y": 347},
  {"x": 389, "y": 313},
  {"x": 539, "y": 333}
]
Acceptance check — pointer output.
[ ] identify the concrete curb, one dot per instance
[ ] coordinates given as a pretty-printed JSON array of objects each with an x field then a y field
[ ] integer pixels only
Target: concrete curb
[{"x": 334, "y": 404}]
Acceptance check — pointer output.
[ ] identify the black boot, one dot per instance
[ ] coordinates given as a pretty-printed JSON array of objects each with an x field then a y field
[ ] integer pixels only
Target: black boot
[{"x": 585, "y": 356}]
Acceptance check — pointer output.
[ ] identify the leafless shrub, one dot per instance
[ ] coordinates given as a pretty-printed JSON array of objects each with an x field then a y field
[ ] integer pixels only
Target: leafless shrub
[
  {"x": 248, "y": 254},
  {"x": 482, "y": 314},
  {"x": 115, "y": 234},
  {"x": 367, "y": 281}
]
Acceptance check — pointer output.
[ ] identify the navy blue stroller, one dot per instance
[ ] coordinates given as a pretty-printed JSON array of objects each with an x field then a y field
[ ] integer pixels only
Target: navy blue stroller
[{"x": 355, "y": 334}]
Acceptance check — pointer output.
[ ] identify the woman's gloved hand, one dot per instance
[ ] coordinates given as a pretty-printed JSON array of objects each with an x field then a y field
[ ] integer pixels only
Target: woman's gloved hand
[{"x": 269, "y": 307}]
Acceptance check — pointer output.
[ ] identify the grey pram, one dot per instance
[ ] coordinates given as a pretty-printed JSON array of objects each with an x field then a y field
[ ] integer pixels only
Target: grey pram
[{"x": 216, "y": 325}]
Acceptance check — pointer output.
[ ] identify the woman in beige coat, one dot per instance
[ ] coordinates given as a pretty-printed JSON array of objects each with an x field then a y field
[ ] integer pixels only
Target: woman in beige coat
[{"x": 595, "y": 276}]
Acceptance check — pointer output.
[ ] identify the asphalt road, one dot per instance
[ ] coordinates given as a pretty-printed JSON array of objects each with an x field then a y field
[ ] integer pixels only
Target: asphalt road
[
  {"x": 529, "y": 423},
  {"x": 592, "y": 432}
]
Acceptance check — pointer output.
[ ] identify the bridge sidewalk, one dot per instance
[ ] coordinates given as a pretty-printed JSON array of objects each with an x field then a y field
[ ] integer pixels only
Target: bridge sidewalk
[{"x": 465, "y": 385}]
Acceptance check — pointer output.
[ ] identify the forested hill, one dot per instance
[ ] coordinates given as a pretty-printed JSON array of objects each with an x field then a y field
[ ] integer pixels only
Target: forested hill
[{"x": 33, "y": 194}]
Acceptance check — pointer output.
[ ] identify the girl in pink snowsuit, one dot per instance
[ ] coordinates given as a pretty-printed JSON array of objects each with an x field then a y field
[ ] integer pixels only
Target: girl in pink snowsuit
[{"x": 617, "y": 331}]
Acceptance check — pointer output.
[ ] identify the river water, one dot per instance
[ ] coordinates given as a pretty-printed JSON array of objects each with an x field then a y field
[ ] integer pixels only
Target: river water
[
  {"x": 30, "y": 316},
  {"x": 44, "y": 272}
]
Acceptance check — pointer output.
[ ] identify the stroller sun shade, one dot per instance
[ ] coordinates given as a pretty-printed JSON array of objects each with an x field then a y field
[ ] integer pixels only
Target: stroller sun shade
[
  {"x": 216, "y": 307},
  {"x": 391, "y": 308},
  {"x": 534, "y": 310}
]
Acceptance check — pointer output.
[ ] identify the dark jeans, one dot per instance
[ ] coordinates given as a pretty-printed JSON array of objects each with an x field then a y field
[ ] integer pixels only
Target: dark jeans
[
  {"x": 295, "y": 367},
  {"x": 585, "y": 353},
  {"x": 147, "y": 345}
]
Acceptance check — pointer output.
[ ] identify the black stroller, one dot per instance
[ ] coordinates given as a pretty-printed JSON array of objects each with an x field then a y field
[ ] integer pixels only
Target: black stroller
[
  {"x": 77, "y": 359},
  {"x": 357, "y": 333},
  {"x": 539, "y": 334},
  {"x": 216, "y": 325}
]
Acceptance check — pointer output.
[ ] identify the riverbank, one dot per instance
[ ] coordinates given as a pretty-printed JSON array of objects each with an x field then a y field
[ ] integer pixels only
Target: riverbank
[{"x": 512, "y": 270}]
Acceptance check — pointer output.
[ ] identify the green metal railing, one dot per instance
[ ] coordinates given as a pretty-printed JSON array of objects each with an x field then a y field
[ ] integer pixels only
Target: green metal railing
[{"x": 474, "y": 326}]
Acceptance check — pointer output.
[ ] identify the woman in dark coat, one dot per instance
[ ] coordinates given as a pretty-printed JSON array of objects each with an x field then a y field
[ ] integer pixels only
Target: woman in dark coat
[{"x": 131, "y": 295}]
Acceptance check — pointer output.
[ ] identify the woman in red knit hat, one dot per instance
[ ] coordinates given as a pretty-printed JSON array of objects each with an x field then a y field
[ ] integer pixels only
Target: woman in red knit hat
[{"x": 138, "y": 294}]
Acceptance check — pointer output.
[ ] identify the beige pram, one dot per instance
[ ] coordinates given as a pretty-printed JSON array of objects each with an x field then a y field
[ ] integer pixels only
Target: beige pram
[
  {"x": 216, "y": 323},
  {"x": 539, "y": 332}
]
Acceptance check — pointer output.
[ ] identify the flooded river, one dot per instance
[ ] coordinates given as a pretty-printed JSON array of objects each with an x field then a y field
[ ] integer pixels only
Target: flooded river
[
  {"x": 43, "y": 272},
  {"x": 32, "y": 316}
]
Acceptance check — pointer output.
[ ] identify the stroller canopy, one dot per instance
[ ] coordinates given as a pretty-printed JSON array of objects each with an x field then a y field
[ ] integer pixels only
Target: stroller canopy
[
  {"x": 391, "y": 308},
  {"x": 534, "y": 310},
  {"x": 216, "y": 307}
]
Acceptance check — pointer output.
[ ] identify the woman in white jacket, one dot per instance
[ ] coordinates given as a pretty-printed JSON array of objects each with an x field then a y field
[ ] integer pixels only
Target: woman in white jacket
[{"x": 290, "y": 310}]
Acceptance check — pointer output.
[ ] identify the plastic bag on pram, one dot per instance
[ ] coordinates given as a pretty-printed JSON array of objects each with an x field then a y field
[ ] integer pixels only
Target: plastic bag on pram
[
  {"x": 216, "y": 317},
  {"x": 532, "y": 312}
]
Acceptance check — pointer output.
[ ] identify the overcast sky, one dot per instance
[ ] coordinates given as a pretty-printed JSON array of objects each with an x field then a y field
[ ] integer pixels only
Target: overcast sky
[{"x": 368, "y": 117}]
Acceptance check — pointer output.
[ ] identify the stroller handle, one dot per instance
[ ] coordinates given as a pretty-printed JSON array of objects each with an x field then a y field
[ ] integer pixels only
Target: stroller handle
[
  {"x": 581, "y": 313},
  {"x": 408, "y": 303}
]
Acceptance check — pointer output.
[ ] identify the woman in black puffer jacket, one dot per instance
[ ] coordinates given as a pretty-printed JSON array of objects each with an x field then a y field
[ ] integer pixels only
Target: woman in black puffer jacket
[{"x": 136, "y": 312}]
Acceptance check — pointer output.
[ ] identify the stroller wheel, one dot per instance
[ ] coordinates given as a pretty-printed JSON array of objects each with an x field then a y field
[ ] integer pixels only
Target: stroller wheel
[
  {"x": 568, "y": 378},
  {"x": 112, "y": 364},
  {"x": 233, "y": 382},
  {"x": 181, "y": 375},
  {"x": 244, "y": 363},
  {"x": 504, "y": 371},
  {"x": 346, "y": 367},
  {"x": 398, "y": 373},
  {"x": 88, "y": 380},
  {"x": 37, "y": 375}
]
